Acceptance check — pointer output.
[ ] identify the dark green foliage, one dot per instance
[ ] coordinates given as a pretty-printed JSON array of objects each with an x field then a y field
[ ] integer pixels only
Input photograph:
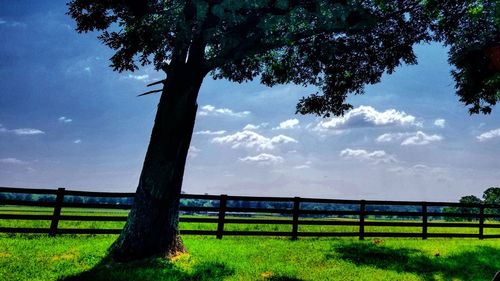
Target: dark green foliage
[
  {"x": 492, "y": 195},
  {"x": 336, "y": 45},
  {"x": 469, "y": 199},
  {"x": 472, "y": 29}
]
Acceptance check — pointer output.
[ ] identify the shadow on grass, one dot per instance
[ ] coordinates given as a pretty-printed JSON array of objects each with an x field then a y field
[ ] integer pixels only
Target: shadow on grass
[
  {"x": 153, "y": 269},
  {"x": 479, "y": 264}
]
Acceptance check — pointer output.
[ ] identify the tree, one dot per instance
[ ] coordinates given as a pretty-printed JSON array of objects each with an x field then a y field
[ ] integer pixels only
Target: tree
[
  {"x": 336, "y": 45},
  {"x": 492, "y": 195},
  {"x": 469, "y": 199}
]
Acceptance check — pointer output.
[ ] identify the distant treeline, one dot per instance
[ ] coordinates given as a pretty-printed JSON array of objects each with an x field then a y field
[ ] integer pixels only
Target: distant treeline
[
  {"x": 490, "y": 196},
  {"x": 233, "y": 204},
  {"x": 67, "y": 198}
]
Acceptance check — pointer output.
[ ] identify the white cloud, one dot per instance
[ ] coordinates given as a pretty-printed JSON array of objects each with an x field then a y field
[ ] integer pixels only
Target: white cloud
[
  {"x": 251, "y": 139},
  {"x": 21, "y": 131},
  {"x": 288, "y": 124},
  {"x": 64, "y": 119},
  {"x": 421, "y": 138},
  {"x": 367, "y": 116},
  {"x": 263, "y": 158},
  {"x": 208, "y": 132},
  {"x": 27, "y": 131},
  {"x": 390, "y": 137},
  {"x": 12, "y": 23},
  {"x": 376, "y": 157},
  {"x": 255, "y": 127},
  {"x": 193, "y": 151},
  {"x": 440, "y": 123},
  {"x": 144, "y": 77},
  {"x": 251, "y": 127},
  {"x": 489, "y": 135},
  {"x": 416, "y": 138},
  {"x": 77, "y": 141},
  {"x": 13, "y": 161},
  {"x": 212, "y": 110}
]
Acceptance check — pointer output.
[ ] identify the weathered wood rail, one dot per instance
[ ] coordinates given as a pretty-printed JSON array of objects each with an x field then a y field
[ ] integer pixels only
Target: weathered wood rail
[{"x": 297, "y": 215}]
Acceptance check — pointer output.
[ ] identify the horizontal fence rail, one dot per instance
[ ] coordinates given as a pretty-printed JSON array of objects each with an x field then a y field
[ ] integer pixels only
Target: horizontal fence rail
[{"x": 292, "y": 211}]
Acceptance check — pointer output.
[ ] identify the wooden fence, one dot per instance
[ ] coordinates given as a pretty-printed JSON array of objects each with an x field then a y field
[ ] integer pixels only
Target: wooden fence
[{"x": 296, "y": 215}]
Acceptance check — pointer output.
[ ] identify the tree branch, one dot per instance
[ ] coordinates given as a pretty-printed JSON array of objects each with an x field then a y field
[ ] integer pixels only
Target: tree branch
[{"x": 150, "y": 92}]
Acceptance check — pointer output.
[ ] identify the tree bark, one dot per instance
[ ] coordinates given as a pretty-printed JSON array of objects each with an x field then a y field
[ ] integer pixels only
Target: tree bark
[{"x": 152, "y": 224}]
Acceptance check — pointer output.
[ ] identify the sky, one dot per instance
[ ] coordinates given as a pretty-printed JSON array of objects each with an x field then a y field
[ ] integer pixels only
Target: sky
[{"x": 67, "y": 120}]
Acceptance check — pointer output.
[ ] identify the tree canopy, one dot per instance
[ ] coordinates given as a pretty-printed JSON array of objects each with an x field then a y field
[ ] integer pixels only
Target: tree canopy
[
  {"x": 492, "y": 195},
  {"x": 338, "y": 46}
]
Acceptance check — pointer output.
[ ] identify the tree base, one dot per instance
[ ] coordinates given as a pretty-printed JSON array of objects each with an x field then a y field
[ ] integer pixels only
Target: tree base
[
  {"x": 151, "y": 230},
  {"x": 125, "y": 253}
]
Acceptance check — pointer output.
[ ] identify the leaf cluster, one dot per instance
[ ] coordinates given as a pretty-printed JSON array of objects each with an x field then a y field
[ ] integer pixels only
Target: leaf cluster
[{"x": 471, "y": 28}]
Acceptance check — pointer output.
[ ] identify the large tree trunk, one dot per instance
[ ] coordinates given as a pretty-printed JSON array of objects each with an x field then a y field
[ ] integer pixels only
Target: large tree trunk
[{"x": 152, "y": 225}]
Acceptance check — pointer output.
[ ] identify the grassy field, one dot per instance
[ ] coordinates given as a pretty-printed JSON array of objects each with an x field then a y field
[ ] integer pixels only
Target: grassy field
[
  {"x": 82, "y": 257},
  {"x": 31, "y": 257}
]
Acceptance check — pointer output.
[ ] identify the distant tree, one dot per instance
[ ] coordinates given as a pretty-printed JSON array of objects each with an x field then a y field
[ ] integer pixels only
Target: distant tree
[
  {"x": 469, "y": 199},
  {"x": 336, "y": 45},
  {"x": 91, "y": 200},
  {"x": 46, "y": 198},
  {"x": 492, "y": 195},
  {"x": 27, "y": 197}
]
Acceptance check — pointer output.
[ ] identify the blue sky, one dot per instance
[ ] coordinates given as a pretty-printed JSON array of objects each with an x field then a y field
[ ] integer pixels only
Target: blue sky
[{"x": 68, "y": 120}]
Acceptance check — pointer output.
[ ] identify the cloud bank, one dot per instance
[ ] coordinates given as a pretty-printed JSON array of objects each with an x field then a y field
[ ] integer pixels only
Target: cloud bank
[
  {"x": 250, "y": 139},
  {"x": 367, "y": 116}
]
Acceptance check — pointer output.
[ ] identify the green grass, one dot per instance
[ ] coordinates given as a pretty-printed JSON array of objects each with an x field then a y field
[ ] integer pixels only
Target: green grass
[
  {"x": 32, "y": 257},
  {"x": 82, "y": 257}
]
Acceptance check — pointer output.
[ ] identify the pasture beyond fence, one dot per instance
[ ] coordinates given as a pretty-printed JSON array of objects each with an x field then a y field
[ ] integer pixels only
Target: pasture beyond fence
[{"x": 360, "y": 214}]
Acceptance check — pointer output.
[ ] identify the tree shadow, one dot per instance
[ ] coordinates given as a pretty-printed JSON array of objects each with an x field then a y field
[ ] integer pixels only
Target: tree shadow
[
  {"x": 152, "y": 269},
  {"x": 479, "y": 264}
]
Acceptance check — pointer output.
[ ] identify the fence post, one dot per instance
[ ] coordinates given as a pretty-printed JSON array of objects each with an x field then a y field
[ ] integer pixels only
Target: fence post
[
  {"x": 295, "y": 223},
  {"x": 362, "y": 208},
  {"x": 424, "y": 220},
  {"x": 222, "y": 215},
  {"x": 481, "y": 221},
  {"x": 57, "y": 211}
]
